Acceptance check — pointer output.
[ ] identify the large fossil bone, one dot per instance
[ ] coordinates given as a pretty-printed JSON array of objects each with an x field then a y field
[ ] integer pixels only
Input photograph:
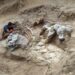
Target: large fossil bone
[{"x": 57, "y": 29}]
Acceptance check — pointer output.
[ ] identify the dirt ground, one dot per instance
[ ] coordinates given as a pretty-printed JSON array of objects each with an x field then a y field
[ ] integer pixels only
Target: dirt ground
[{"x": 39, "y": 58}]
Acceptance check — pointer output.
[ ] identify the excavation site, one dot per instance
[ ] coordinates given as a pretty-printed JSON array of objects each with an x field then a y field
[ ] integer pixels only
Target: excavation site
[{"x": 40, "y": 39}]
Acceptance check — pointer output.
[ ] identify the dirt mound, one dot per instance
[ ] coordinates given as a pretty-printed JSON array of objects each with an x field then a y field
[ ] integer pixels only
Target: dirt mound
[
  {"x": 8, "y": 6},
  {"x": 67, "y": 13}
]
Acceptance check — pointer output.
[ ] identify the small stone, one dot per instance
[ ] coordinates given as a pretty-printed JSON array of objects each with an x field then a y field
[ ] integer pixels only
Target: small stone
[
  {"x": 43, "y": 51},
  {"x": 38, "y": 47},
  {"x": 43, "y": 40},
  {"x": 40, "y": 44},
  {"x": 43, "y": 47}
]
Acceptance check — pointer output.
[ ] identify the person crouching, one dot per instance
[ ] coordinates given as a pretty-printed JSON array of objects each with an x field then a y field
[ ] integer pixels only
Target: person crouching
[{"x": 7, "y": 29}]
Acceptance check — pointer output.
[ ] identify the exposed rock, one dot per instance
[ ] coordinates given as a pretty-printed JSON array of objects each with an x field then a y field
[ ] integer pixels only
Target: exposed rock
[
  {"x": 40, "y": 44},
  {"x": 43, "y": 55}
]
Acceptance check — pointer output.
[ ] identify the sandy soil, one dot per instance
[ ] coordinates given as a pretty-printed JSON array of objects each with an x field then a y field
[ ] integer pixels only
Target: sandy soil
[{"x": 51, "y": 59}]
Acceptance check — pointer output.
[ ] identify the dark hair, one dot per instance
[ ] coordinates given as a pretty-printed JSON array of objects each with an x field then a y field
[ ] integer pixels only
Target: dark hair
[{"x": 10, "y": 23}]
